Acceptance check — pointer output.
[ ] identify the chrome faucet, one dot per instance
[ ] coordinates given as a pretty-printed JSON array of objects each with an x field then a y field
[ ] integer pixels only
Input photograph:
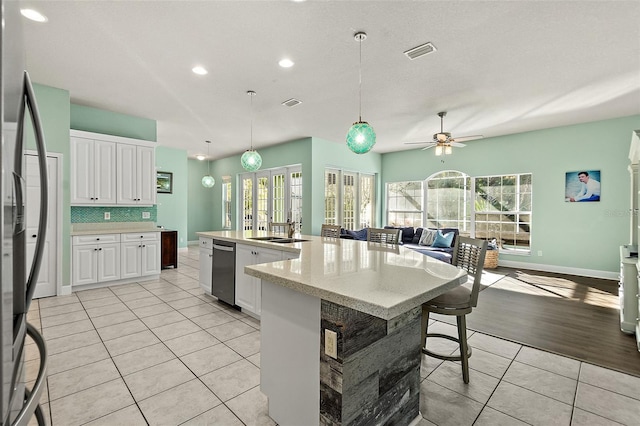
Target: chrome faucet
[{"x": 292, "y": 228}]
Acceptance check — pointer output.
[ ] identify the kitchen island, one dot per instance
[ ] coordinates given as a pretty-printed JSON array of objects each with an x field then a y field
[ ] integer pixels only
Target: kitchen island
[{"x": 340, "y": 329}]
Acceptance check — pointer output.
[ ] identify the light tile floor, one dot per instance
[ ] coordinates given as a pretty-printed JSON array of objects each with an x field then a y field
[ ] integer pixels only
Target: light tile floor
[{"x": 162, "y": 353}]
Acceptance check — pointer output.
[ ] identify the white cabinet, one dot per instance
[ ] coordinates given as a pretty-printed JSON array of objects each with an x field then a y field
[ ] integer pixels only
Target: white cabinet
[
  {"x": 140, "y": 254},
  {"x": 95, "y": 259},
  {"x": 93, "y": 172},
  {"x": 248, "y": 295},
  {"x": 136, "y": 175},
  {"x": 206, "y": 262},
  {"x": 108, "y": 170}
]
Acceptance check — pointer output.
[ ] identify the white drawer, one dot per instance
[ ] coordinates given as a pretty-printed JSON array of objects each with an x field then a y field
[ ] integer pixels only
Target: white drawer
[
  {"x": 95, "y": 239},
  {"x": 206, "y": 243},
  {"x": 140, "y": 236}
]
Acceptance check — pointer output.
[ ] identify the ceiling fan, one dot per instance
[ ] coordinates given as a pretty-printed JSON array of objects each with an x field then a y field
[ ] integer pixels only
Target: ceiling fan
[{"x": 443, "y": 142}]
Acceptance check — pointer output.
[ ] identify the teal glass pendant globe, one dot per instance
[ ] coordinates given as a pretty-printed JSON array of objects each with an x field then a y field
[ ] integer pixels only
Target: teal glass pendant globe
[
  {"x": 361, "y": 137},
  {"x": 251, "y": 160},
  {"x": 208, "y": 181}
]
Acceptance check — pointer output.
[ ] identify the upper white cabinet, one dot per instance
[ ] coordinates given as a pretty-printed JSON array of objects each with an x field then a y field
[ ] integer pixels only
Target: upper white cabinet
[
  {"x": 107, "y": 170},
  {"x": 136, "y": 175},
  {"x": 93, "y": 171}
]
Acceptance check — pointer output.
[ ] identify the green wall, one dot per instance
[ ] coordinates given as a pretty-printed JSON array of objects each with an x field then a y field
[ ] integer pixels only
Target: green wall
[
  {"x": 200, "y": 200},
  {"x": 172, "y": 208},
  {"x": 112, "y": 123},
  {"x": 570, "y": 235}
]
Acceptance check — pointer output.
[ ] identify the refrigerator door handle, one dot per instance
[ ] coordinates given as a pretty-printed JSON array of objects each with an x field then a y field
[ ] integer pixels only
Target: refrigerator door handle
[
  {"x": 33, "y": 397},
  {"x": 30, "y": 100}
]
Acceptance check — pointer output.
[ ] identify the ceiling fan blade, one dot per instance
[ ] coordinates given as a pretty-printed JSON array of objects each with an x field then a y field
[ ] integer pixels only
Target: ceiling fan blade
[
  {"x": 466, "y": 138},
  {"x": 430, "y": 146},
  {"x": 416, "y": 143},
  {"x": 458, "y": 144}
]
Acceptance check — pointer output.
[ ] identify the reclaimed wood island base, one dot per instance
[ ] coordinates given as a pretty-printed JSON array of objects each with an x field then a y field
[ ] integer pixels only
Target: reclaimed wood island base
[{"x": 374, "y": 380}]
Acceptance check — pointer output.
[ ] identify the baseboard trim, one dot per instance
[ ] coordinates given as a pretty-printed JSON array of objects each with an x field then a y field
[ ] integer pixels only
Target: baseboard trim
[
  {"x": 193, "y": 243},
  {"x": 607, "y": 275}
]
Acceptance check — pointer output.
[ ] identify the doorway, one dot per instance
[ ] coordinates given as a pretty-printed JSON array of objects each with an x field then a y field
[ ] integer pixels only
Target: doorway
[{"x": 49, "y": 278}]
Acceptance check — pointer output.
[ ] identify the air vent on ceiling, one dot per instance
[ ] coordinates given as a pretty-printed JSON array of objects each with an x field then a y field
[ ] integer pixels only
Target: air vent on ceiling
[
  {"x": 291, "y": 102},
  {"x": 421, "y": 50}
]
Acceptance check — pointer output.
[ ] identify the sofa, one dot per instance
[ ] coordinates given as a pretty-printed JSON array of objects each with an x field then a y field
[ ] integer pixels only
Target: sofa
[{"x": 411, "y": 238}]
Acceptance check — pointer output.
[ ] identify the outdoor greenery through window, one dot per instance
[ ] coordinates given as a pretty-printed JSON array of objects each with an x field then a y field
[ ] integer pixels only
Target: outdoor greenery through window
[
  {"x": 349, "y": 199},
  {"x": 484, "y": 207},
  {"x": 503, "y": 210}
]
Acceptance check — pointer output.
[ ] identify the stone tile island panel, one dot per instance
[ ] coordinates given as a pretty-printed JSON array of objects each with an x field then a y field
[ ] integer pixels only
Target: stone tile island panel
[{"x": 376, "y": 376}]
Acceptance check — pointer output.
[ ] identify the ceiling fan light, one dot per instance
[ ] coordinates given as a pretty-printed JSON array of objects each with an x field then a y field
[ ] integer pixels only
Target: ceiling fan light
[
  {"x": 438, "y": 150},
  {"x": 208, "y": 181},
  {"x": 361, "y": 137},
  {"x": 251, "y": 160},
  {"x": 448, "y": 150}
]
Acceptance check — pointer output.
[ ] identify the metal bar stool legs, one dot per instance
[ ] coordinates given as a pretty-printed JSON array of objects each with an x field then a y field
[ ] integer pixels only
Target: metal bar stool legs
[{"x": 465, "y": 349}]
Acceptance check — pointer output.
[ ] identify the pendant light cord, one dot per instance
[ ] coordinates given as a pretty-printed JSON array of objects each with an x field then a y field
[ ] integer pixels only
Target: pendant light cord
[
  {"x": 251, "y": 95},
  {"x": 208, "y": 158},
  {"x": 360, "y": 83}
]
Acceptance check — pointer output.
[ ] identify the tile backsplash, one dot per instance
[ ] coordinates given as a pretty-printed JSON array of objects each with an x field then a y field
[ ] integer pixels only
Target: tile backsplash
[{"x": 118, "y": 214}]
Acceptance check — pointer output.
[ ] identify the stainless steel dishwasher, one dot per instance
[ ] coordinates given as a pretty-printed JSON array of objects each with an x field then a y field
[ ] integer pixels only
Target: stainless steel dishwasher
[{"x": 223, "y": 271}]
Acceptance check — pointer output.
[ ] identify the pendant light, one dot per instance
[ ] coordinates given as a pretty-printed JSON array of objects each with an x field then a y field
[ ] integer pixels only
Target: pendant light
[
  {"x": 208, "y": 181},
  {"x": 251, "y": 160},
  {"x": 361, "y": 137}
]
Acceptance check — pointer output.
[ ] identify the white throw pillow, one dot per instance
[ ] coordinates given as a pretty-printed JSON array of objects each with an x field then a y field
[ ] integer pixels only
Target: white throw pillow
[{"x": 427, "y": 237}]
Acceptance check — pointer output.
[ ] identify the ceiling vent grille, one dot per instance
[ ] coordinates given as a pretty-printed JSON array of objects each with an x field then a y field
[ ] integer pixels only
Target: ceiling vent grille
[
  {"x": 291, "y": 102},
  {"x": 421, "y": 50}
]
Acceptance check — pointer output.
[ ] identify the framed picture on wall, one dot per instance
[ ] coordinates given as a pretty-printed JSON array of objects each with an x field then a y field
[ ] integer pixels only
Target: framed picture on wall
[
  {"x": 582, "y": 186},
  {"x": 164, "y": 182}
]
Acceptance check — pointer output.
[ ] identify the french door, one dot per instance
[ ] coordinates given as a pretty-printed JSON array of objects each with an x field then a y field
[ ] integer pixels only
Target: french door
[{"x": 271, "y": 196}]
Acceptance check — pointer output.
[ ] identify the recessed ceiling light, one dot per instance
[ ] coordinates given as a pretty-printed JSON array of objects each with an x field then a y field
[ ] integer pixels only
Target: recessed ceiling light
[
  {"x": 200, "y": 157},
  {"x": 34, "y": 15},
  {"x": 286, "y": 63},
  {"x": 199, "y": 70}
]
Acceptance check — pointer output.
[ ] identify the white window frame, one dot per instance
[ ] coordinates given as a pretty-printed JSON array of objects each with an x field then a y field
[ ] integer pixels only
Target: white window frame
[
  {"x": 358, "y": 221},
  {"x": 227, "y": 191},
  {"x": 420, "y": 212},
  {"x": 253, "y": 222}
]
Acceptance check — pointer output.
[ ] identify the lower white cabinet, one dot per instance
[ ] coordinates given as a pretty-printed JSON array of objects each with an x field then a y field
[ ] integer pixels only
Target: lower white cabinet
[
  {"x": 206, "y": 262},
  {"x": 111, "y": 257},
  {"x": 248, "y": 292},
  {"x": 140, "y": 254},
  {"x": 95, "y": 259}
]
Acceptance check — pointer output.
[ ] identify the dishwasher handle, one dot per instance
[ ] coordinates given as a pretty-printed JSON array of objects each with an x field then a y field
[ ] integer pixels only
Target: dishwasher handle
[{"x": 223, "y": 248}]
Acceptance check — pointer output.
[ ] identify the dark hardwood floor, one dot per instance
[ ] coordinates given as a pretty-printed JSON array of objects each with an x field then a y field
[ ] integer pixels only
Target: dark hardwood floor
[{"x": 566, "y": 314}]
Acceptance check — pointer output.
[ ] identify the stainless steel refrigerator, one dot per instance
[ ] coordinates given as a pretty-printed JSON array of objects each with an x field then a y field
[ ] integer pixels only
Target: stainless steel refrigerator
[{"x": 18, "y": 109}]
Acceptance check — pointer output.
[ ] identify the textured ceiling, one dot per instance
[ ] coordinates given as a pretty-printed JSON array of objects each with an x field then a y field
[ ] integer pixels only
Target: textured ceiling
[{"x": 501, "y": 67}]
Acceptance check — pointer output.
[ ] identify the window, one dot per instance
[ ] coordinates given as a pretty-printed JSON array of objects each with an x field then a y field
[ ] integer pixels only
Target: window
[
  {"x": 448, "y": 194},
  {"x": 331, "y": 197},
  {"x": 349, "y": 199},
  {"x": 272, "y": 196},
  {"x": 404, "y": 204},
  {"x": 226, "y": 202},
  {"x": 501, "y": 206},
  {"x": 502, "y": 210}
]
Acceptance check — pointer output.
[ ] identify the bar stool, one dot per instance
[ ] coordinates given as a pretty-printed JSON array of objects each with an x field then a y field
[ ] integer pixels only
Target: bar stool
[
  {"x": 468, "y": 254},
  {"x": 331, "y": 231}
]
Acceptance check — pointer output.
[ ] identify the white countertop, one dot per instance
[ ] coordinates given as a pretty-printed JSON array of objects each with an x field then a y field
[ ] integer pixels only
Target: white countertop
[
  {"x": 375, "y": 280},
  {"x": 112, "y": 228}
]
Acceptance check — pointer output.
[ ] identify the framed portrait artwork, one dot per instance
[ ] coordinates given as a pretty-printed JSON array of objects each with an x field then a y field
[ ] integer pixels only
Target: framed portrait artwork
[
  {"x": 164, "y": 182},
  {"x": 582, "y": 186}
]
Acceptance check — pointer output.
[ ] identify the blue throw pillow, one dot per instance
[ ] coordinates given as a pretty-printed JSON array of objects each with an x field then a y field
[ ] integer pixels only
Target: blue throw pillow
[
  {"x": 358, "y": 235},
  {"x": 443, "y": 241}
]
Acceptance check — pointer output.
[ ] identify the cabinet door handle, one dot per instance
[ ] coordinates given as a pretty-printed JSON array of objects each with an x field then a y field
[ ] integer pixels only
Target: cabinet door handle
[
  {"x": 95, "y": 249},
  {"x": 100, "y": 249},
  {"x": 34, "y": 236},
  {"x": 143, "y": 245},
  {"x": 210, "y": 255},
  {"x": 97, "y": 239}
]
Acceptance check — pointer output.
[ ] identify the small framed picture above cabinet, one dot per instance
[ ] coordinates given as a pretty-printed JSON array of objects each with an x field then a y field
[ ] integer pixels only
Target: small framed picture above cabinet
[{"x": 164, "y": 182}]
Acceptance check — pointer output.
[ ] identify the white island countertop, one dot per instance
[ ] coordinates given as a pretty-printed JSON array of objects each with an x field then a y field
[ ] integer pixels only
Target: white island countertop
[{"x": 375, "y": 280}]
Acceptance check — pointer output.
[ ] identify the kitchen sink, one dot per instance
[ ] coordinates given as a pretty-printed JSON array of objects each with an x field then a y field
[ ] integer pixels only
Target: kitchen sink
[
  {"x": 287, "y": 240},
  {"x": 265, "y": 238}
]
